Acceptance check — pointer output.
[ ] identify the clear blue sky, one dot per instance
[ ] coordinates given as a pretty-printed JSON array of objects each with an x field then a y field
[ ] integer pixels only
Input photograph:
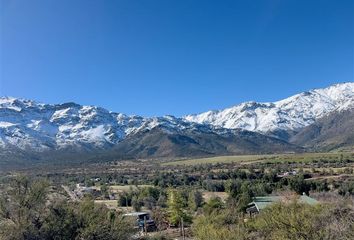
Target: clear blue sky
[{"x": 152, "y": 57}]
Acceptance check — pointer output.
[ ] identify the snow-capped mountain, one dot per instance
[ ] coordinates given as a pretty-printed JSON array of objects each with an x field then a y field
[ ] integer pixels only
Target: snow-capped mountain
[
  {"x": 26, "y": 124},
  {"x": 290, "y": 114},
  {"x": 32, "y": 132}
]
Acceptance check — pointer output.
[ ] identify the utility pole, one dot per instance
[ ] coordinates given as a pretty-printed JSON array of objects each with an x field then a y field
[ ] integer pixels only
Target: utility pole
[
  {"x": 183, "y": 233},
  {"x": 145, "y": 228}
]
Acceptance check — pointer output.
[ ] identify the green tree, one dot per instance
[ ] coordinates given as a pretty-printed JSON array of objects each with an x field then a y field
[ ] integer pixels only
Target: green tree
[
  {"x": 125, "y": 199},
  {"x": 98, "y": 222},
  {"x": 176, "y": 206},
  {"x": 292, "y": 221},
  {"x": 214, "y": 204},
  {"x": 105, "y": 191},
  {"x": 299, "y": 185},
  {"x": 195, "y": 200},
  {"x": 26, "y": 213},
  {"x": 241, "y": 193},
  {"x": 136, "y": 203},
  {"x": 22, "y": 209},
  {"x": 61, "y": 222},
  {"x": 218, "y": 226}
]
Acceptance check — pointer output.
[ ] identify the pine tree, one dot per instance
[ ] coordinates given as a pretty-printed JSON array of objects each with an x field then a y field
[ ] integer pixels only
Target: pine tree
[{"x": 176, "y": 206}]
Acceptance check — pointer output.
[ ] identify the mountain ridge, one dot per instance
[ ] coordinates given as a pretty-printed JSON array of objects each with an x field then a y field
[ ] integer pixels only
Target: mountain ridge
[
  {"x": 333, "y": 131},
  {"x": 290, "y": 114},
  {"x": 37, "y": 127}
]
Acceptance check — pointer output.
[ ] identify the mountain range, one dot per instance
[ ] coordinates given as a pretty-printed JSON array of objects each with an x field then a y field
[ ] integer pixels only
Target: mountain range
[{"x": 319, "y": 119}]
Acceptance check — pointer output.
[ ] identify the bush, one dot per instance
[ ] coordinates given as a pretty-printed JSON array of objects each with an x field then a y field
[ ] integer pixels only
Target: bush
[
  {"x": 218, "y": 226},
  {"x": 214, "y": 204},
  {"x": 26, "y": 214},
  {"x": 280, "y": 221}
]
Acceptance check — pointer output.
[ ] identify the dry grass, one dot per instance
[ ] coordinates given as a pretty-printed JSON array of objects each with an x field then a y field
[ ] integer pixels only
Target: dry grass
[
  {"x": 332, "y": 177},
  {"x": 109, "y": 203},
  {"x": 125, "y": 188},
  {"x": 274, "y": 158},
  {"x": 335, "y": 170},
  {"x": 208, "y": 195},
  {"x": 113, "y": 204}
]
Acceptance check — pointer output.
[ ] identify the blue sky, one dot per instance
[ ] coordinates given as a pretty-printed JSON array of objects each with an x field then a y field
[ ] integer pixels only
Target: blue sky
[{"x": 152, "y": 57}]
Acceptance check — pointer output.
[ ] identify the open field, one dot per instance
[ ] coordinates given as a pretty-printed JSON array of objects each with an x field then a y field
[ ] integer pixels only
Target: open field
[
  {"x": 125, "y": 188},
  {"x": 332, "y": 177},
  {"x": 197, "y": 182},
  {"x": 109, "y": 203},
  {"x": 208, "y": 195},
  {"x": 113, "y": 204},
  {"x": 272, "y": 158},
  {"x": 322, "y": 169}
]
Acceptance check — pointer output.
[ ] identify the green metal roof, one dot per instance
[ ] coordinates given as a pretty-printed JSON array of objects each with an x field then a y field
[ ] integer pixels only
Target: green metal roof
[
  {"x": 308, "y": 200},
  {"x": 263, "y": 202}
]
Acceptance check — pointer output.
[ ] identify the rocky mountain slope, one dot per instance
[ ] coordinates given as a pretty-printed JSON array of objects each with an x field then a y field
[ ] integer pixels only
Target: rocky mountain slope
[
  {"x": 36, "y": 126},
  {"x": 158, "y": 142},
  {"x": 333, "y": 131},
  {"x": 28, "y": 128}
]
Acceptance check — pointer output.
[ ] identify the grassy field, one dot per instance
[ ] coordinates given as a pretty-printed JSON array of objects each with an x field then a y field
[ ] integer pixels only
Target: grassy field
[
  {"x": 273, "y": 158},
  {"x": 109, "y": 203},
  {"x": 335, "y": 170},
  {"x": 208, "y": 195},
  {"x": 125, "y": 188},
  {"x": 113, "y": 204}
]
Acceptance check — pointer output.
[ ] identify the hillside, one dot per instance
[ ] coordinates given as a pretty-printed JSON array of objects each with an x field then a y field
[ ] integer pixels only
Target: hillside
[
  {"x": 328, "y": 133},
  {"x": 284, "y": 117},
  {"x": 35, "y": 132}
]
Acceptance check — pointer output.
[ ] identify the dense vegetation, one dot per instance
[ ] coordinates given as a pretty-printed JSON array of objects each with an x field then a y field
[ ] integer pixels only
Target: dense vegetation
[
  {"x": 293, "y": 221},
  {"x": 209, "y": 200},
  {"x": 26, "y": 214}
]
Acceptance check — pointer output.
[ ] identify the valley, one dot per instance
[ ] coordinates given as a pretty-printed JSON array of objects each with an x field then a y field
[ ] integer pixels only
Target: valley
[
  {"x": 214, "y": 186},
  {"x": 176, "y": 120},
  {"x": 173, "y": 177}
]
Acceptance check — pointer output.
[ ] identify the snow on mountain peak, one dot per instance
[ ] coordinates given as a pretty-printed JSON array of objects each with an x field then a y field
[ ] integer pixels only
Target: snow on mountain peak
[
  {"x": 29, "y": 124},
  {"x": 291, "y": 113}
]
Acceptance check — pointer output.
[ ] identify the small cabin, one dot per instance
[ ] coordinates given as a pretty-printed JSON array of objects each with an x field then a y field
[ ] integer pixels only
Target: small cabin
[{"x": 143, "y": 220}]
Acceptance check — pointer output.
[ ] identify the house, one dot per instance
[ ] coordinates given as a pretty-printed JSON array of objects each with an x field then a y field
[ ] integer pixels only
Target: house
[
  {"x": 287, "y": 174},
  {"x": 143, "y": 220},
  {"x": 259, "y": 203}
]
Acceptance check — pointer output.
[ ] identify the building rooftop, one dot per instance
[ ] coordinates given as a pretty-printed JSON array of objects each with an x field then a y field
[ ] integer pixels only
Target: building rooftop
[
  {"x": 136, "y": 214},
  {"x": 264, "y": 201}
]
